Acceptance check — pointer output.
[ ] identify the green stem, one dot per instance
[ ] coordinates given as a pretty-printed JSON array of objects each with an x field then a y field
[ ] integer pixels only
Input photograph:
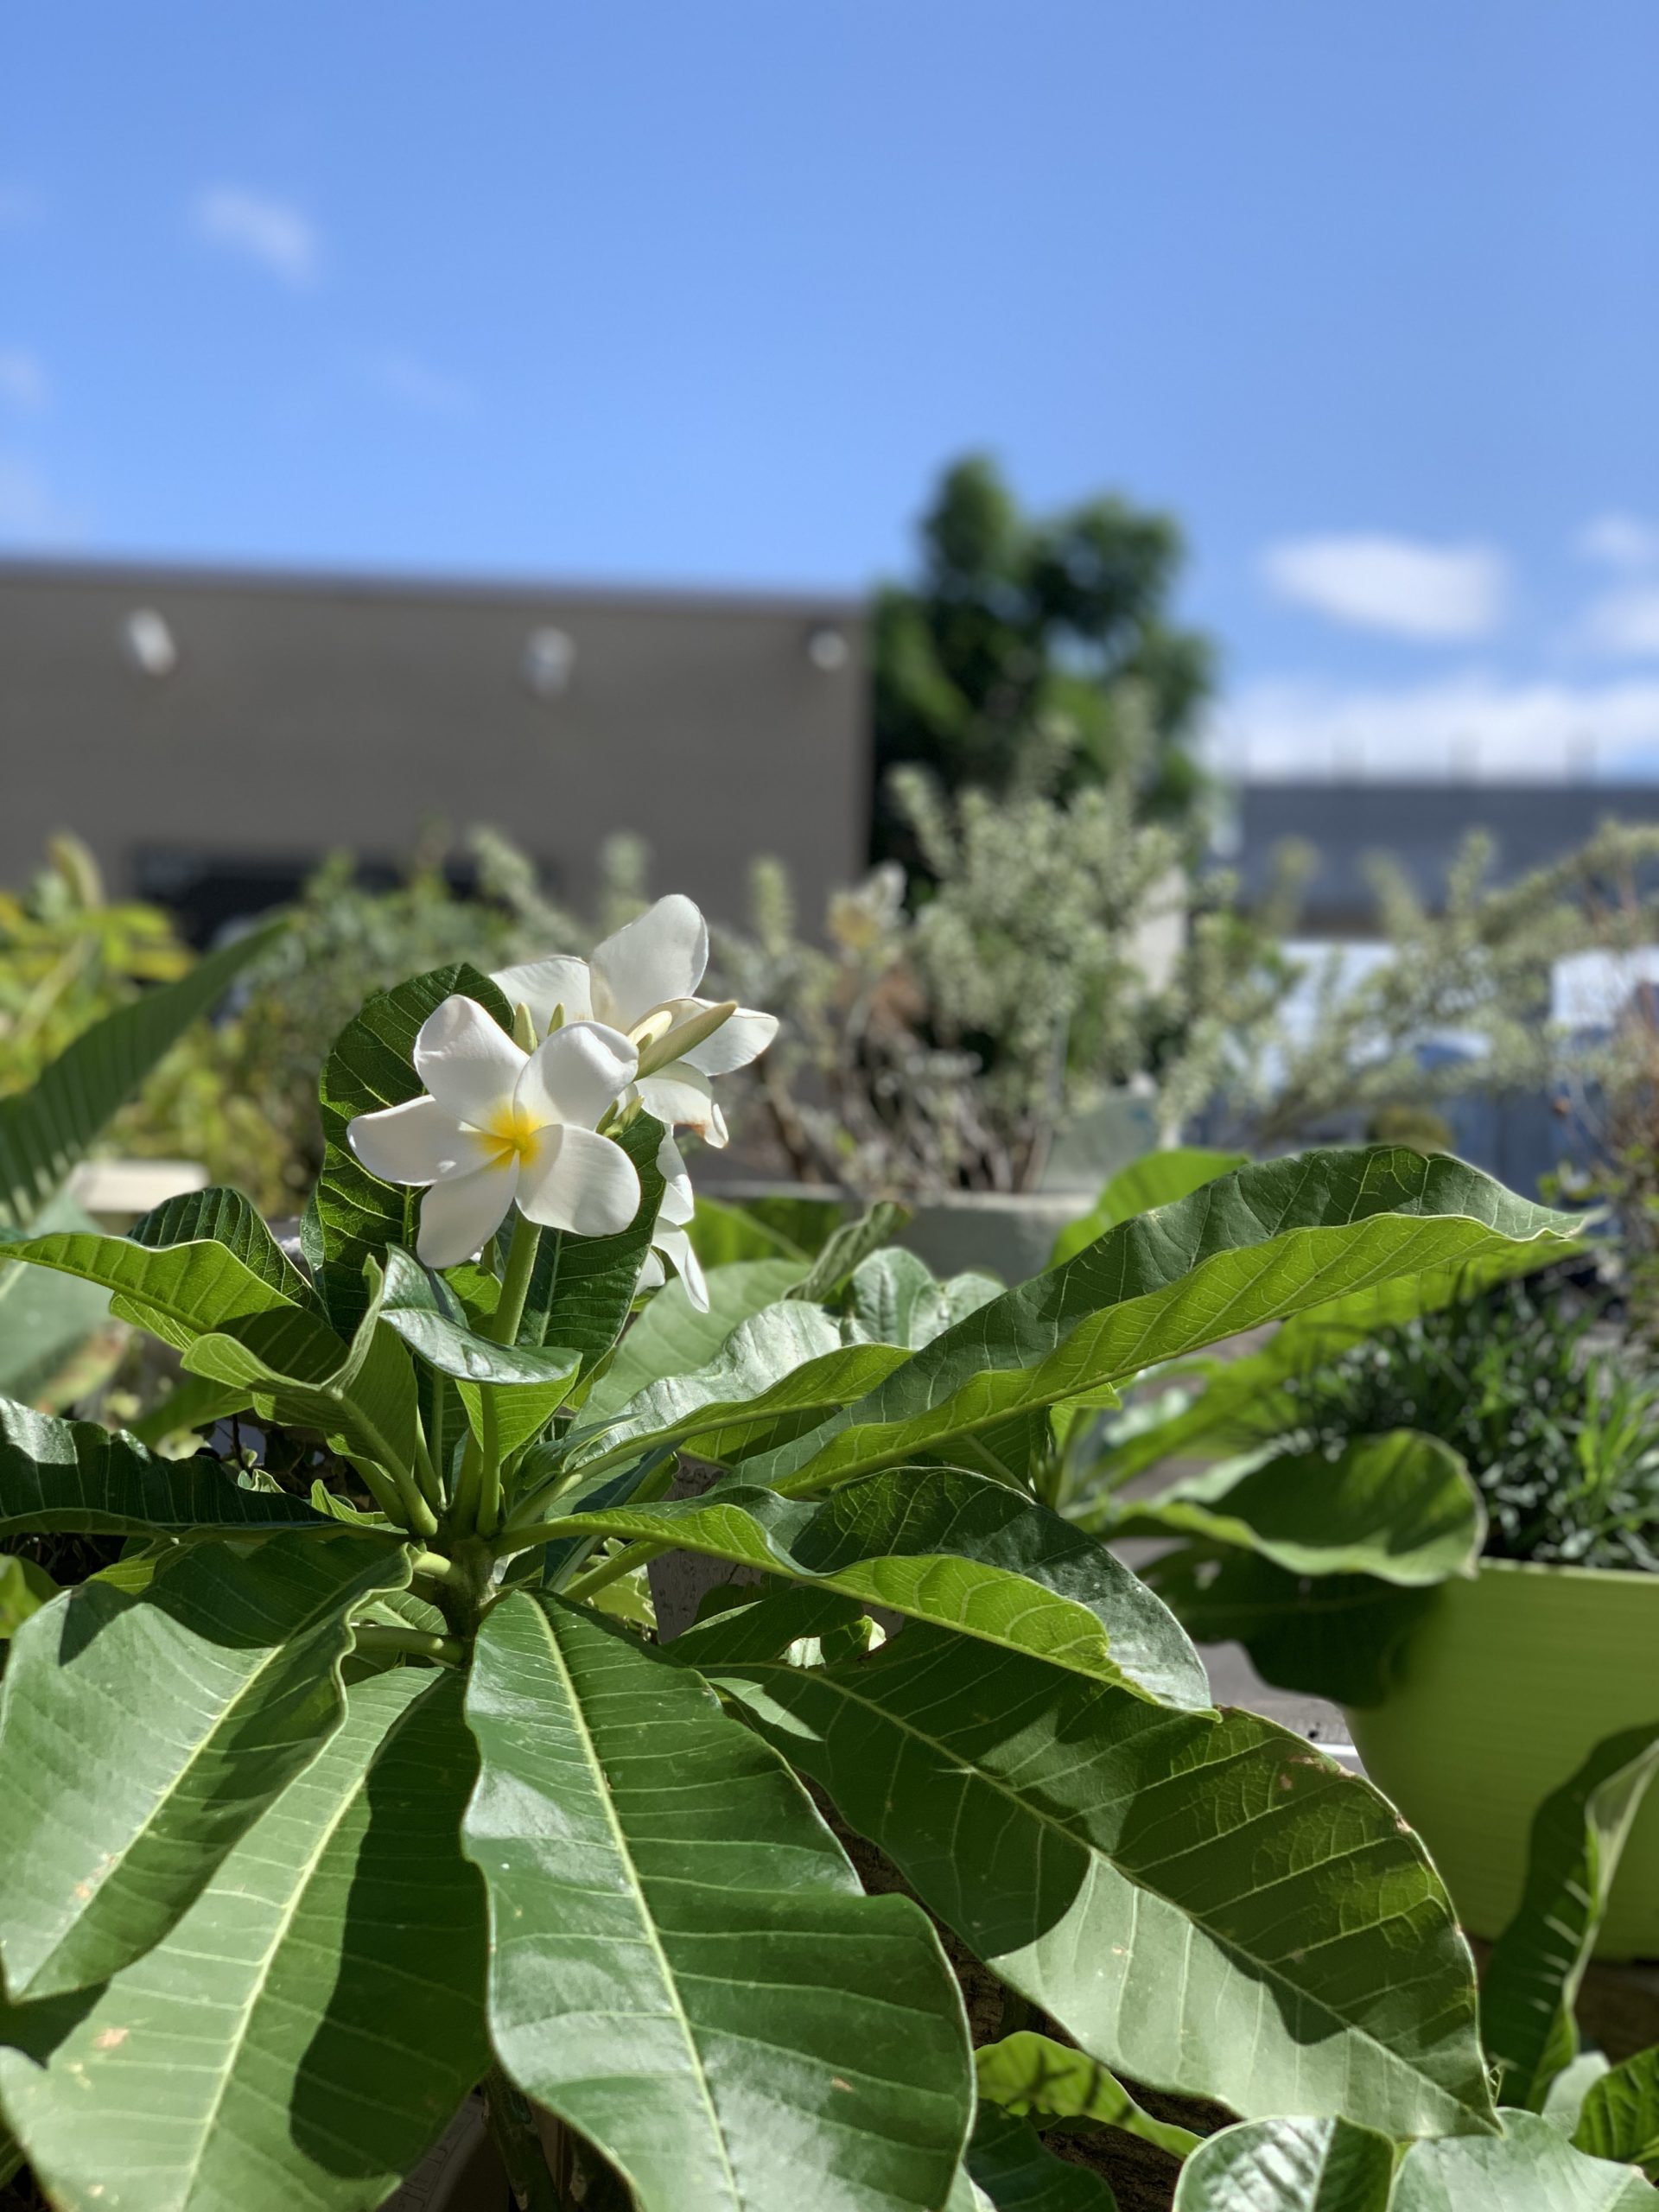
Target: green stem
[
  {"x": 382, "y": 1489},
  {"x": 463, "y": 1514},
  {"x": 512, "y": 2125},
  {"x": 425, "y": 1474},
  {"x": 439, "y": 1461},
  {"x": 489, "y": 1480},
  {"x": 437, "y": 1568},
  {"x": 522, "y": 1532},
  {"x": 412, "y": 1642},
  {"x": 417, "y": 1515},
  {"x": 612, "y": 1569},
  {"x": 502, "y": 1327}
]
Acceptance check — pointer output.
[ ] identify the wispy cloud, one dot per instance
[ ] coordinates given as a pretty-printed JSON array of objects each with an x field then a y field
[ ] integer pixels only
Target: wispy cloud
[
  {"x": 23, "y": 382},
  {"x": 414, "y": 384},
  {"x": 1476, "y": 724},
  {"x": 1624, "y": 624},
  {"x": 273, "y": 233},
  {"x": 31, "y": 512},
  {"x": 1620, "y": 541},
  {"x": 1398, "y": 585}
]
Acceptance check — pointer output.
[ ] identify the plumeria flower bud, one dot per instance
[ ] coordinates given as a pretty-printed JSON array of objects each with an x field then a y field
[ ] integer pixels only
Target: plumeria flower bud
[
  {"x": 671, "y": 1241},
  {"x": 498, "y": 1125},
  {"x": 643, "y": 980}
]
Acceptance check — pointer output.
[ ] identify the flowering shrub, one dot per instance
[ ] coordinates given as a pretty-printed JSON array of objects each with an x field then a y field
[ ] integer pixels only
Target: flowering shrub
[{"x": 364, "y": 1778}]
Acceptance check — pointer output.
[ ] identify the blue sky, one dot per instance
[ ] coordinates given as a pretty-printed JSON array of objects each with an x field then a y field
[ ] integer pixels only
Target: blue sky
[{"x": 1369, "y": 295}]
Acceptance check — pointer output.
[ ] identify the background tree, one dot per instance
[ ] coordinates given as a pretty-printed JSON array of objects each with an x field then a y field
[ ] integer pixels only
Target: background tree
[{"x": 1012, "y": 662}]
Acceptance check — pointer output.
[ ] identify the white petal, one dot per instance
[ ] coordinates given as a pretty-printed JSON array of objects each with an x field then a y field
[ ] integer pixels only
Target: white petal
[
  {"x": 574, "y": 1075},
  {"x": 580, "y": 1182},
  {"x": 681, "y": 1098},
  {"x": 417, "y": 1142},
  {"x": 679, "y": 1203},
  {"x": 464, "y": 1213},
  {"x": 653, "y": 1273},
  {"x": 545, "y": 985},
  {"x": 674, "y": 1245},
  {"x": 659, "y": 956},
  {"x": 734, "y": 1043},
  {"x": 468, "y": 1062}
]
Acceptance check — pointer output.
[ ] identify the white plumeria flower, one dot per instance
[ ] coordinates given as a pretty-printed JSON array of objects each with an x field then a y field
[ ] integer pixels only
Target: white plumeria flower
[
  {"x": 643, "y": 980},
  {"x": 499, "y": 1124},
  {"x": 671, "y": 1240}
]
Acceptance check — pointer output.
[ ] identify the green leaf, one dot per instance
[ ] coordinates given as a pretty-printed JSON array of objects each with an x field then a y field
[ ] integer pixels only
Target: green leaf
[
  {"x": 1564, "y": 2106},
  {"x": 353, "y": 1216},
  {"x": 24, "y": 1588},
  {"x": 45, "y": 1318},
  {"x": 1204, "y": 1902},
  {"x": 583, "y": 1288},
  {"x": 847, "y": 1248},
  {"x": 1288, "y": 2165},
  {"x": 140, "y": 1737},
  {"x": 297, "y": 1372},
  {"x": 1399, "y": 1506},
  {"x": 894, "y": 1298},
  {"x": 940, "y": 1544},
  {"x": 194, "y": 1402},
  {"x": 779, "y": 1373},
  {"x": 225, "y": 1217},
  {"x": 308, "y": 2027},
  {"x": 1531, "y": 2168},
  {"x": 178, "y": 1290},
  {"x": 1619, "y": 2118},
  {"x": 74, "y": 1477},
  {"x": 526, "y": 1381},
  {"x": 765, "y": 1626},
  {"x": 1341, "y": 1636},
  {"x": 683, "y": 1965},
  {"x": 1026, "y": 2074},
  {"x": 46, "y": 1130},
  {"x": 671, "y": 1336},
  {"x": 1157, "y": 1179},
  {"x": 725, "y": 1236},
  {"x": 1007, "y": 2162},
  {"x": 1253, "y": 1247},
  {"x": 1532, "y": 1978}
]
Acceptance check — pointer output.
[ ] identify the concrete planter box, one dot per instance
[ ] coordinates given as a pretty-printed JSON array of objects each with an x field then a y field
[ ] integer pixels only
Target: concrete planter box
[{"x": 1506, "y": 1686}]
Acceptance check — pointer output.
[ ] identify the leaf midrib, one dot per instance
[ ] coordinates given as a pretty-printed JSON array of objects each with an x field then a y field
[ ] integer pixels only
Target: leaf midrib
[{"x": 590, "y": 1752}]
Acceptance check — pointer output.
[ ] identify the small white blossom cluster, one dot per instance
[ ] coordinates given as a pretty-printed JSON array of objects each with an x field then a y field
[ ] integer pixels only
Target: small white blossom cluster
[{"x": 504, "y": 1122}]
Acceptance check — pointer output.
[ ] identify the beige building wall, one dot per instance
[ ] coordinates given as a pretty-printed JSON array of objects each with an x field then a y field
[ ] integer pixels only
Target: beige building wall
[{"x": 252, "y": 717}]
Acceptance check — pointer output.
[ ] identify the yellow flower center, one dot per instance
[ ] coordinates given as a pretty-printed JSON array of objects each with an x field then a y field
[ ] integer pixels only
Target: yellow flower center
[{"x": 511, "y": 1134}]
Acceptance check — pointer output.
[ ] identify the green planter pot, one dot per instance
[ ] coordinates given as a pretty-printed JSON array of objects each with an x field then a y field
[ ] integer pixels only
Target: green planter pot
[{"x": 1506, "y": 1686}]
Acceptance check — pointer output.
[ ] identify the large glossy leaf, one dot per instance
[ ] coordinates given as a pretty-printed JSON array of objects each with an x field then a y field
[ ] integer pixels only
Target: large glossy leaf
[
  {"x": 780, "y": 1372},
  {"x": 940, "y": 1544},
  {"x": 1532, "y": 1978},
  {"x": 353, "y": 1216},
  {"x": 45, "y": 1130},
  {"x": 846, "y": 1250},
  {"x": 1255, "y": 1246},
  {"x": 1157, "y": 1179},
  {"x": 671, "y": 1336},
  {"x": 179, "y": 1288},
  {"x": 25, "y": 1586},
  {"x": 297, "y": 1372},
  {"x": 526, "y": 1382},
  {"x": 75, "y": 1477},
  {"x": 229, "y": 1218},
  {"x": 1032, "y": 2075},
  {"x": 682, "y": 1964},
  {"x": 1289, "y": 2165},
  {"x": 895, "y": 1298},
  {"x": 298, "y": 2038},
  {"x": 140, "y": 1737},
  {"x": 1619, "y": 2118},
  {"x": 1342, "y": 1637},
  {"x": 583, "y": 1288},
  {"x": 1531, "y": 2167},
  {"x": 1398, "y": 1506},
  {"x": 1008, "y": 2163},
  {"x": 46, "y": 1317},
  {"x": 1204, "y": 1902}
]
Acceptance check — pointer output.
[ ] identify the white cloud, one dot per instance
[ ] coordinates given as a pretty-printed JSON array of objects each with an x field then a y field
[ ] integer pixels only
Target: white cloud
[
  {"x": 1624, "y": 623},
  {"x": 414, "y": 384},
  {"x": 1620, "y": 541},
  {"x": 31, "y": 513},
  {"x": 22, "y": 379},
  {"x": 1395, "y": 584},
  {"x": 1477, "y": 724},
  {"x": 270, "y": 232}
]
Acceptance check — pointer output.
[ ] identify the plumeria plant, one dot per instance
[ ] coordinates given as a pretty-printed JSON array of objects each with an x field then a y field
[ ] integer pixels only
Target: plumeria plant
[{"x": 364, "y": 1778}]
